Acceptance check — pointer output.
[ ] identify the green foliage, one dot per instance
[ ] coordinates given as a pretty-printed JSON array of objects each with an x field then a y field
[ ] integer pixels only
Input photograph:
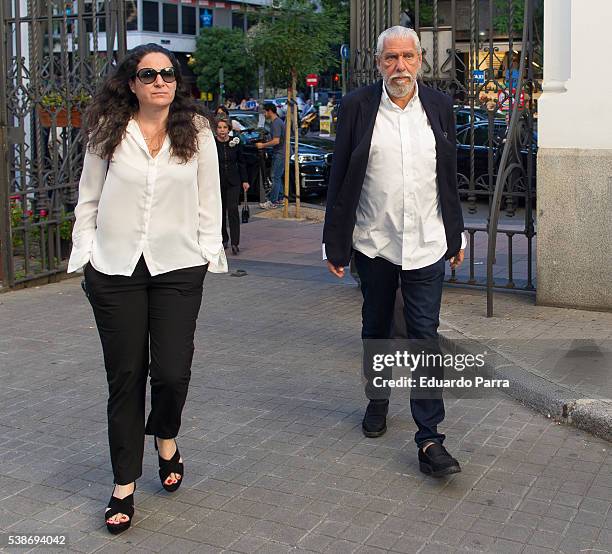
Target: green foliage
[
  {"x": 339, "y": 11},
  {"x": 65, "y": 226},
  {"x": 295, "y": 39},
  {"x": 425, "y": 11},
  {"x": 56, "y": 100},
  {"x": 502, "y": 16},
  {"x": 218, "y": 48},
  {"x": 26, "y": 220},
  {"x": 19, "y": 218},
  {"x": 501, "y": 20}
]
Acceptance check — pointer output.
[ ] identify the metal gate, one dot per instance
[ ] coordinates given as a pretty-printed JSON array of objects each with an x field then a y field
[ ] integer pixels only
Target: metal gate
[
  {"x": 487, "y": 55},
  {"x": 53, "y": 54}
]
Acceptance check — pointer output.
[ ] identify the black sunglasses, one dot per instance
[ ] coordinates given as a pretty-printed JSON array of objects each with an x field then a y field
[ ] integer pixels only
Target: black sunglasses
[{"x": 147, "y": 75}]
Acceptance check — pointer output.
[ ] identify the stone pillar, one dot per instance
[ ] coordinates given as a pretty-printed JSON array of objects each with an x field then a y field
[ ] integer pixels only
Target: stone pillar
[{"x": 574, "y": 180}]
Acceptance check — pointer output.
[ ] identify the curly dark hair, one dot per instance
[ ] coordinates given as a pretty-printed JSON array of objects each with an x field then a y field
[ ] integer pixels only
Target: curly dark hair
[{"x": 114, "y": 104}]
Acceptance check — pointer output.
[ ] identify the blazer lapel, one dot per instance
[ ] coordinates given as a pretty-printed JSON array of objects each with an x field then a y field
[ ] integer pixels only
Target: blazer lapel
[
  {"x": 431, "y": 110},
  {"x": 367, "y": 118}
]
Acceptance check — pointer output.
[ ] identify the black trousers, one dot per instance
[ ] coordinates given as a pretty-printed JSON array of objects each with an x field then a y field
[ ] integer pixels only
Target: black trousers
[
  {"x": 422, "y": 292},
  {"x": 146, "y": 326},
  {"x": 230, "y": 198}
]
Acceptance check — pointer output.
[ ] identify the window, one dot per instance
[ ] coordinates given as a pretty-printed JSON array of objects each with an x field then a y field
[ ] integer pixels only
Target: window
[
  {"x": 189, "y": 21},
  {"x": 131, "y": 15},
  {"x": 237, "y": 20},
  {"x": 170, "y": 18},
  {"x": 150, "y": 16}
]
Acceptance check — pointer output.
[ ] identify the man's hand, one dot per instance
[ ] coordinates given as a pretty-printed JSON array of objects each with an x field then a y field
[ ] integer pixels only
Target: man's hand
[
  {"x": 259, "y": 145},
  {"x": 338, "y": 271},
  {"x": 456, "y": 261},
  {"x": 245, "y": 186}
]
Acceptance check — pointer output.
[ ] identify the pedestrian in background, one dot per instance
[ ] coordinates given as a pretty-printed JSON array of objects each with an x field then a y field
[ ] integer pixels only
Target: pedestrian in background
[
  {"x": 147, "y": 230},
  {"x": 277, "y": 143},
  {"x": 223, "y": 113},
  {"x": 232, "y": 174}
]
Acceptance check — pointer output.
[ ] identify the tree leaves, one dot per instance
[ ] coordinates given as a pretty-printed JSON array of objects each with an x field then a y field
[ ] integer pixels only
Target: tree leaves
[
  {"x": 295, "y": 38},
  {"x": 218, "y": 48}
]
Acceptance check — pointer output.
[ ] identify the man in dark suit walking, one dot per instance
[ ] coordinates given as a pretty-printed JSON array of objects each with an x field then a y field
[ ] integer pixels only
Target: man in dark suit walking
[{"x": 393, "y": 201}]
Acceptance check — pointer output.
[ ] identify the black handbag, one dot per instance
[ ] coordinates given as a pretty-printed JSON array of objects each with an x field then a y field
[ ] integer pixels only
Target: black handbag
[{"x": 246, "y": 214}]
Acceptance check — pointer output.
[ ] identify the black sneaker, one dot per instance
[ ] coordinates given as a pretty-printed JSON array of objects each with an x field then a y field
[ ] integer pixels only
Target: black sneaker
[
  {"x": 437, "y": 462},
  {"x": 375, "y": 419}
]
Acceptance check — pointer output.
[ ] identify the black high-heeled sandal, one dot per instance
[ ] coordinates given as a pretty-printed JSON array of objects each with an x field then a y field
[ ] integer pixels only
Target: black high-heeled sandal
[
  {"x": 119, "y": 506},
  {"x": 166, "y": 467}
]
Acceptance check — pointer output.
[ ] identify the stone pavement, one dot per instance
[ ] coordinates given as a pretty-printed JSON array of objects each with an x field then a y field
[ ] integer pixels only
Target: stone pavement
[{"x": 275, "y": 458}]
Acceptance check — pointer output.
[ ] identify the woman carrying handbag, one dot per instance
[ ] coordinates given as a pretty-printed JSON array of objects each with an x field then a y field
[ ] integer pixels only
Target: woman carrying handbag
[
  {"x": 147, "y": 230},
  {"x": 232, "y": 173}
]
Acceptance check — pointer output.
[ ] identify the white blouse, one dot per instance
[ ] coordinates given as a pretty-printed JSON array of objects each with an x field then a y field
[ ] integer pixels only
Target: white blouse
[{"x": 158, "y": 207}]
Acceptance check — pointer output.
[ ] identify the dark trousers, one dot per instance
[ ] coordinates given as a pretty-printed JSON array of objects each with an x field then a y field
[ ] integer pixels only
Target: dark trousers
[
  {"x": 230, "y": 198},
  {"x": 146, "y": 326},
  {"x": 422, "y": 292}
]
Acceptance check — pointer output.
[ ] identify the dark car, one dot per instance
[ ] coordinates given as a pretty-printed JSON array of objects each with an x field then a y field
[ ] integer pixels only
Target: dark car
[
  {"x": 517, "y": 177},
  {"x": 314, "y": 158},
  {"x": 463, "y": 115}
]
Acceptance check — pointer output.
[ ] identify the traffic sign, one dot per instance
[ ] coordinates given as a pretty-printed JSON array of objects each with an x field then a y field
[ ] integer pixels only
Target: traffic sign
[
  {"x": 312, "y": 80},
  {"x": 479, "y": 76},
  {"x": 344, "y": 52}
]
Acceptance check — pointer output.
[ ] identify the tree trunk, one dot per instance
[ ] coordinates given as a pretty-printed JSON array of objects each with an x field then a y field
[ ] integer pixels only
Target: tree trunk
[
  {"x": 296, "y": 166},
  {"x": 287, "y": 153}
]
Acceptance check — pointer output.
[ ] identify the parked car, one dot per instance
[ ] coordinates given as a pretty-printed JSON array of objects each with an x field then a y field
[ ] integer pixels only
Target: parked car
[
  {"x": 463, "y": 115},
  {"x": 481, "y": 157},
  {"x": 281, "y": 104},
  {"x": 246, "y": 118},
  {"x": 323, "y": 96}
]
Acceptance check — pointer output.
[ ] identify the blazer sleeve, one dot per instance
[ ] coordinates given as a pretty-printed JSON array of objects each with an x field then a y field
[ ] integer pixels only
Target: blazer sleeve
[
  {"x": 91, "y": 183},
  {"x": 209, "y": 203},
  {"x": 341, "y": 155},
  {"x": 452, "y": 176}
]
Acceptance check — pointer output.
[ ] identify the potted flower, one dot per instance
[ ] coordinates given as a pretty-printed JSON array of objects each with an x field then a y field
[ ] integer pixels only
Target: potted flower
[{"x": 54, "y": 106}]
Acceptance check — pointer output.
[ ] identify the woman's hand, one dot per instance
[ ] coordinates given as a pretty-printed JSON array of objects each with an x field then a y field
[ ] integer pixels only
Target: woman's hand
[{"x": 245, "y": 186}]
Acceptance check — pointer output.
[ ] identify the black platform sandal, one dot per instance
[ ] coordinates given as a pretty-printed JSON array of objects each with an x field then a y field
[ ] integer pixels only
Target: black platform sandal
[
  {"x": 119, "y": 506},
  {"x": 166, "y": 467}
]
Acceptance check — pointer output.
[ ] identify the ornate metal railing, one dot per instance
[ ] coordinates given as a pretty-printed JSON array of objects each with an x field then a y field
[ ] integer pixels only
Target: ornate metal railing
[
  {"x": 488, "y": 59},
  {"x": 52, "y": 56}
]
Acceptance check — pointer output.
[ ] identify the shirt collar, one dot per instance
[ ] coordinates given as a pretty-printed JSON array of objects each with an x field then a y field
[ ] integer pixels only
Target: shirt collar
[
  {"x": 134, "y": 129},
  {"x": 386, "y": 99}
]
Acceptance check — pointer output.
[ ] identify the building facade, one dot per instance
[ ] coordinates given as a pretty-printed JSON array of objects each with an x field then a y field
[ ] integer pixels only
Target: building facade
[{"x": 176, "y": 24}]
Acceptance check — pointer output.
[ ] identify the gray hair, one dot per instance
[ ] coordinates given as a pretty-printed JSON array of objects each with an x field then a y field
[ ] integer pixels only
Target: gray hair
[{"x": 397, "y": 32}]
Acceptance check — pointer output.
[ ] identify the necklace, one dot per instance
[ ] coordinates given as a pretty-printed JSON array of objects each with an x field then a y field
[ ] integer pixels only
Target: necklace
[{"x": 158, "y": 137}]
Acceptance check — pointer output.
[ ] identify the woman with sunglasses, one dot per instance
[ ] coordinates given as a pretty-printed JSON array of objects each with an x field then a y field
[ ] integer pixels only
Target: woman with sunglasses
[{"x": 147, "y": 229}]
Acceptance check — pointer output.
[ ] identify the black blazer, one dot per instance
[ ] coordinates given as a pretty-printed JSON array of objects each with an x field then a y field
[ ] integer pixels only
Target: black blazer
[
  {"x": 232, "y": 169},
  {"x": 350, "y": 160}
]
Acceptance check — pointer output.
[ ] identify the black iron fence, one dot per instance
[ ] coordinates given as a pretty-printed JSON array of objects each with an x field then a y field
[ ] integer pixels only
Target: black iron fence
[
  {"x": 52, "y": 56},
  {"x": 487, "y": 55}
]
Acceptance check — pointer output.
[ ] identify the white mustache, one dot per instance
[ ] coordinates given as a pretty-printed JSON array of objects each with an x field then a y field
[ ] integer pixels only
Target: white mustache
[{"x": 405, "y": 75}]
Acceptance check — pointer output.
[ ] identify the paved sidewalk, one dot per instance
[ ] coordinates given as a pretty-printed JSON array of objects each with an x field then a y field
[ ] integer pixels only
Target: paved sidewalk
[
  {"x": 275, "y": 458},
  {"x": 559, "y": 361}
]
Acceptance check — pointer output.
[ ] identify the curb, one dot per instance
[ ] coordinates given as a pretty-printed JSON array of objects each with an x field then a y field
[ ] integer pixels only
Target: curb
[{"x": 551, "y": 399}]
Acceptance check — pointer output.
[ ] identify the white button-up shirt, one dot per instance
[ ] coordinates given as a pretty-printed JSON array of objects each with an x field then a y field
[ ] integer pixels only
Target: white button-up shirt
[
  {"x": 158, "y": 207},
  {"x": 398, "y": 217}
]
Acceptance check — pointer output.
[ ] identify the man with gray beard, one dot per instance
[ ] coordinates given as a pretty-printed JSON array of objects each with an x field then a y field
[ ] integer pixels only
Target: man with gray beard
[{"x": 393, "y": 201}]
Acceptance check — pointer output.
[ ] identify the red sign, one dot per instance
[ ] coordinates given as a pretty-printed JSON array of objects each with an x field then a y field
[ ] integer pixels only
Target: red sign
[{"x": 312, "y": 80}]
